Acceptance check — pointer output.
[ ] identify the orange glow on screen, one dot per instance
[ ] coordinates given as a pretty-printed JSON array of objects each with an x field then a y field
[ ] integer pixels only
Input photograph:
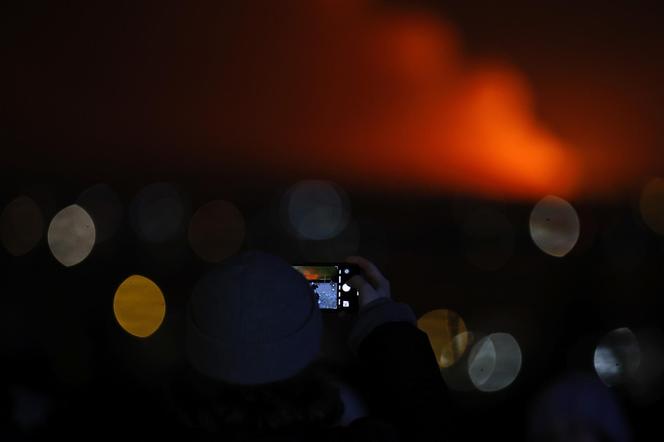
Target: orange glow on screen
[
  {"x": 310, "y": 275},
  {"x": 317, "y": 273}
]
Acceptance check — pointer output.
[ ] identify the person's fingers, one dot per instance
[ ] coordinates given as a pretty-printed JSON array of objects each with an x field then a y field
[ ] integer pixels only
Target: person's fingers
[
  {"x": 370, "y": 270},
  {"x": 359, "y": 283},
  {"x": 366, "y": 291}
]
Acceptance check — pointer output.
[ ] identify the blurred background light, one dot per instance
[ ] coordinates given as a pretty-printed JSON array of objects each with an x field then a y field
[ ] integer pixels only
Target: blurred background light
[
  {"x": 554, "y": 226},
  {"x": 316, "y": 209},
  {"x": 21, "y": 226},
  {"x": 216, "y": 231},
  {"x": 346, "y": 243},
  {"x": 31, "y": 408},
  {"x": 578, "y": 407},
  {"x": 488, "y": 238},
  {"x": 71, "y": 235},
  {"x": 617, "y": 357},
  {"x": 139, "y": 306},
  {"x": 105, "y": 208},
  {"x": 447, "y": 334},
  {"x": 494, "y": 362},
  {"x": 457, "y": 376},
  {"x": 482, "y": 361},
  {"x": 158, "y": 212},
  {"x": 652, "y": 205}
]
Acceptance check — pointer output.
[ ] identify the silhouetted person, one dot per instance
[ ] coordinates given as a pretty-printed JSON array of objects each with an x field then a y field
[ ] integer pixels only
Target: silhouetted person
[{"x": 253, "y": 343}]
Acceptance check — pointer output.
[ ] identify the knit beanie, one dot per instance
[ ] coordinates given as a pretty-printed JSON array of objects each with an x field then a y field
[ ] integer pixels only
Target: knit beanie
[{"x": 253, "y": 320}]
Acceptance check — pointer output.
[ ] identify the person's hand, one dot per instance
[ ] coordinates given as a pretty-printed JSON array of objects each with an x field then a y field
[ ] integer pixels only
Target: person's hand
[{"x": 371, "y": 283}]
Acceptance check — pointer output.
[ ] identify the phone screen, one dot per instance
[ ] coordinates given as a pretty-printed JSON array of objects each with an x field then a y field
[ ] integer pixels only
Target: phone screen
[{"x": 330, "y": 285}]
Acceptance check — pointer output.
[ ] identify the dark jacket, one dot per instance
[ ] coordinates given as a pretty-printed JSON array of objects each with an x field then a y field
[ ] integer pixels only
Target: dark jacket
[
  {"x": 403, "y": 385},
  {"x": 398, "y": 377}
]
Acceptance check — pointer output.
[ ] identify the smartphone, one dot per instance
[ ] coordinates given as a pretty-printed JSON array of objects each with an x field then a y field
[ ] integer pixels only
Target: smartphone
[{"x": 329, "y": 282}]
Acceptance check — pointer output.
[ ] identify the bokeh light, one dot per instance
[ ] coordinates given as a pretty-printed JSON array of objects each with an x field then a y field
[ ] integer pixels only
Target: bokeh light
[
  {"x": 158, "y": 213},
  {"x": 21, "y": 226},
  {"x": 346, "y": 243},
  {"x": 482, "y": 361},
  {"x": 488, "y": 238},
  {"x": 139, "y": 306},
  {"x": 216, "y": 231},
  {"x": 316, "y": 209},
  {"x": 617, "y": 357},
  {"x": 494, "y": 362},
  {"x": 447, "y": 334},
  {"x": 71, "y": 235},
  {"x": 652, "y": 205},
  {"x": 31, "y": 408},
  {"x": 105, "y": 208},
  {"x": 578, "y": 407},
  {"x": 456, "y": 375},
  {"x": 554, "y": 226}
]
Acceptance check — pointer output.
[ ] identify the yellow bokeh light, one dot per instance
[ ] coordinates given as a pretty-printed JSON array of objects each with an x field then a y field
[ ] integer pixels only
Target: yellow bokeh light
[
  {"x": 447, "y": 334},
  {"x": 139, "y": 306}
]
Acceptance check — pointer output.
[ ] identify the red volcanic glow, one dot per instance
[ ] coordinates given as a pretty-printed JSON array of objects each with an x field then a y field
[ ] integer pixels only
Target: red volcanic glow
[
  {"x": 382, "y": 98},
  {"x": 350, "y": 91}
]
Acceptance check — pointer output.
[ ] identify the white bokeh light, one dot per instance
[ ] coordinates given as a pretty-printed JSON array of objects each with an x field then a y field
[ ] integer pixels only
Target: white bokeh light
[
  {"x": 617, "y": 357},
  {"x": 554, "y": 226},
  {"x": 316, "y": 209},
  {"x": 482, "y": 361},
  {"x": 494, "y": 362},
  {"x": 71, "y": 235}
]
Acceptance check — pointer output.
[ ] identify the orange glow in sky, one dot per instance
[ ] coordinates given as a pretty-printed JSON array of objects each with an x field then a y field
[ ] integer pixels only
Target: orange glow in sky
[
  {"x": 358, "y": 92},
  {"x": 383, "y": 98}
]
